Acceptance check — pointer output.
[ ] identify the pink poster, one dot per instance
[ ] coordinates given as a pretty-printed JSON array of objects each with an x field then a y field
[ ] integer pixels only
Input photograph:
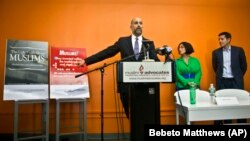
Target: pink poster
[{"x": 63, "y": 70}]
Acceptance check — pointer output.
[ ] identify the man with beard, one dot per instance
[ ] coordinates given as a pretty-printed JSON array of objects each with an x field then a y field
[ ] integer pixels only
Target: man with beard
[
  {"x": 230, "y": 65},
  {"x": 137, "y": 106}
]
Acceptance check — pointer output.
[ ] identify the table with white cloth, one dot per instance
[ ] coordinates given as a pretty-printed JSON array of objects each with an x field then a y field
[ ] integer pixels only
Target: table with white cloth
[{"x": 205, "y": 111}]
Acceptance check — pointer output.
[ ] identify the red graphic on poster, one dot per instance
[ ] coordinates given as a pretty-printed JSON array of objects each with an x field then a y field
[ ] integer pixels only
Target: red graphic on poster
[
  {"x": 63, "y": 65},
  {"x": 63, "y": 69}
]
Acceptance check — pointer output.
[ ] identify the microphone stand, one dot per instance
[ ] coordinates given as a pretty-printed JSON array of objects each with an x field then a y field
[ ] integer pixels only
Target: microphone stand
[
  {"x": 145, "y": 52},
  {"x": 166, "y": 58},
  {"x": 102, "y": 93},
  {"x": 102, "y": 90}
]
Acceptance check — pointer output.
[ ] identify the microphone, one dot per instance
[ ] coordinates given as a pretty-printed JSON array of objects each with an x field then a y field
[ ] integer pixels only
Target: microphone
[
  {"x": 164, "y": 50},
  {"x": 146, "y": 45}
]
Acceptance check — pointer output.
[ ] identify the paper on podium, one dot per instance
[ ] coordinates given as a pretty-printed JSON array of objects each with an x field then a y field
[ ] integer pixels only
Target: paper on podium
[{"x": 148, "y": 60}]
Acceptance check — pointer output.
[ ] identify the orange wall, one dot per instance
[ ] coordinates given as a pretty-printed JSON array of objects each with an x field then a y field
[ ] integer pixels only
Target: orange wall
[{"x": 95, "y": 24}]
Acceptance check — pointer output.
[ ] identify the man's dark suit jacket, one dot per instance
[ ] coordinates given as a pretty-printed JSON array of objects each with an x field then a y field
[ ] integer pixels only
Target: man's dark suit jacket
[
  {"x": 238, "y": 65},
  {"x": 125, "y": 48}
]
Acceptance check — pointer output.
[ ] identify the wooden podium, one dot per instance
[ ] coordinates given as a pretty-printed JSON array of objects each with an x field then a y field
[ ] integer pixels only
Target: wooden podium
[{"x": 142, "y": 81}]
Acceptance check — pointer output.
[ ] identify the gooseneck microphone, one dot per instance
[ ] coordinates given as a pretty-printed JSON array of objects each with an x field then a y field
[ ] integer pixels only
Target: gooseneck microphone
[{"x": 146, "y": 45}]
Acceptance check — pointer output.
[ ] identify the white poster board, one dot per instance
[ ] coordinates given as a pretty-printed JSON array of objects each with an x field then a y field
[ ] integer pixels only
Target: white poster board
[{"x": 26, "y": 70}]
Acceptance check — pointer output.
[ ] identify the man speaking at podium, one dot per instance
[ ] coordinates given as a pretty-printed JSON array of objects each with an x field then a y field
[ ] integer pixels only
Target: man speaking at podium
[{"x": 133, "y": 102}]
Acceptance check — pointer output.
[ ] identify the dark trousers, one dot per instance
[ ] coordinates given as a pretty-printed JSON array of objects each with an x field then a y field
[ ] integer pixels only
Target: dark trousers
[
  {"x": 144, "y": 108},
  {"x": 228, "y": 83}
]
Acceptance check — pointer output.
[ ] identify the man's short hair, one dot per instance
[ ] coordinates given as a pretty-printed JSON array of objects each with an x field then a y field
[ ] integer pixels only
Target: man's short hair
[{"x": 227, "y": 34}]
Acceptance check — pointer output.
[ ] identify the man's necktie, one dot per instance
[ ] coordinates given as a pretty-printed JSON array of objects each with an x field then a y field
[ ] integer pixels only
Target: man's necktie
[{"x": 136, "y": 48}]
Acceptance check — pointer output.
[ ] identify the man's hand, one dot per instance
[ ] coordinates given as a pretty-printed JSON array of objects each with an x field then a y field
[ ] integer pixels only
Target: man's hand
[{"x": 80, "y": 63}]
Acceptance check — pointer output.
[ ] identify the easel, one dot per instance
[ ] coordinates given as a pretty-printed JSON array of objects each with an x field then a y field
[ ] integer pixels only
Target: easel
[
  {"x": 82, "y": 115},
  {"x": 44, "y": 123}
]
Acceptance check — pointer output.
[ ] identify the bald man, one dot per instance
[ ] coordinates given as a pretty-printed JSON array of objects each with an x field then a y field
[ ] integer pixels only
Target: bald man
[{"x": 133, "y": 103}]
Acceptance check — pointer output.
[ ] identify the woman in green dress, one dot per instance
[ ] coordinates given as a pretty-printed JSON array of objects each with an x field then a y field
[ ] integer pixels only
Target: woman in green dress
[{"x": 188, "y": 69}]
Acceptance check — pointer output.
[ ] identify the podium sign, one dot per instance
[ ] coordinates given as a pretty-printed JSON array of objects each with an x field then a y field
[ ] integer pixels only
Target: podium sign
[{"x": 131, "y": 72}]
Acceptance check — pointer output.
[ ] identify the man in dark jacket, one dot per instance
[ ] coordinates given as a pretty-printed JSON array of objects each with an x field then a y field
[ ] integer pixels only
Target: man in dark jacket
[
  {"x": 132, "y": 103},
  {"x": 230, "y": 65}
]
